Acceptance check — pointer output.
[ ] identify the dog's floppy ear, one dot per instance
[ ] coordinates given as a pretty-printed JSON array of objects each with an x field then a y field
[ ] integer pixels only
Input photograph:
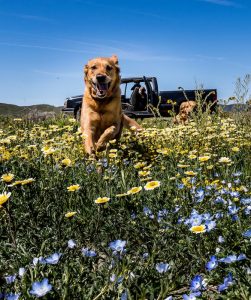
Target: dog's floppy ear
[{"x": 114, "y": 59}]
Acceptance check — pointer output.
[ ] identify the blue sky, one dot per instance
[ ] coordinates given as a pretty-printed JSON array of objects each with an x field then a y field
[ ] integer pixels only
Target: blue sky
[{"x": 44, "y": 44}]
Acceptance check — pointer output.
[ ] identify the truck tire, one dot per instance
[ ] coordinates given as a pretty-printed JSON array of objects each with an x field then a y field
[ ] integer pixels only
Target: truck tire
[{"x": 78, "y": 115}]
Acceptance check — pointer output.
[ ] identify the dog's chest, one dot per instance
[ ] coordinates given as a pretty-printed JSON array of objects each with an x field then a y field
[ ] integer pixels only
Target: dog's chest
[{"x": 107, "y": 119}]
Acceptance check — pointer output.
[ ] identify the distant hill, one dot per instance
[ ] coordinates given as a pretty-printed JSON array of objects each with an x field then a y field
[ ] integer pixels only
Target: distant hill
[
  {"x": 18, "y": 111},
  {"x": 233, "y": 107}
]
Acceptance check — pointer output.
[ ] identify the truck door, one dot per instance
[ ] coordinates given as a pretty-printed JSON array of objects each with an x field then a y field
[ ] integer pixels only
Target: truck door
[{"x": 151, "y": 95}]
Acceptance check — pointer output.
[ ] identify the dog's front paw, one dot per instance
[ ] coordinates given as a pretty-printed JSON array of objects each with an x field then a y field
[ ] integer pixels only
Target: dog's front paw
[{"x": 100, "y": 147}]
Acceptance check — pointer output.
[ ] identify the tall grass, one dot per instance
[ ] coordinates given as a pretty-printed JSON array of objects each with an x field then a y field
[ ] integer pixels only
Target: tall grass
[{"x": 184, "y": 176}]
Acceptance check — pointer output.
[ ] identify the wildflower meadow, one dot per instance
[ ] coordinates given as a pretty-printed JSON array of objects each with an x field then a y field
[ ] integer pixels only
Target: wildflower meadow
[{"x": 161, "y": 214}]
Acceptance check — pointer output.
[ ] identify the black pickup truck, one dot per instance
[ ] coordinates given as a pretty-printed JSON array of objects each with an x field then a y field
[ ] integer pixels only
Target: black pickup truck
[{"x": 157, "y": 103}]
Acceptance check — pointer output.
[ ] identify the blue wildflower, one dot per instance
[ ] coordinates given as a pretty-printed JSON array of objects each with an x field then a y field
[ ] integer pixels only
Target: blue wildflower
[
  {"x": 124, "y": 296},
  {"x": 210, "y": 225},
  {"x": 21, "y": 272},
  {"x": 71, "y": 244},
  {"x": 10, "y": 279},
  {"x": 195, "y": 220},
  {"x": 88, "y": 253},
  {"x": 162, "y": 267},
  {"x": 234, "y": 194},
  {"x": 197, "y": 283},
  {"x": 229, "y": 259},
  {"x": 221, "y": 239},
  {"x": 114, "y": 278},
  {"x": 209, "y": 188},
  {"x": 162, "y": 214},
  {"x": 219, "y": 215},
  {"x": 176, "y": 209},
  {"x": 180, "y": 186},
  {"x": 200, "y": 194},
  {"x": 191, "y": 296},
  {"x": 133, "y": 216},
  {"x": 212, "y": 264},
  {"x": 12, "y": 296},
  {"x": 148, "y": 212},
  {"x": 37, "y": 260},
  {"x": 223, "y": 191},
  {"x": 39, "y": 289},
  {"x": 90, "y": 168},
  {"x": 228, "y": 281},
  {"x": 247, "y": 210},
  {"x": 206, "y": 216},
  {"x": 53, "y": 259},
  {"x": 234, "y": 218},
  {"x": 145, "y": 255},
  {"x": 117, "y": 245},
  {"x": 246, "y": 201},
  {"x": 104, "y": 162},
  {"x": 219, "y": 200},
  {"x": 247, "y": 233},
  {"x": 233, "y": 258},
  {"x": 232, "y": 209},
  {"x": 237, "y": 181},
  {"x": 237, "y": 174},
  {"x": 242, "y": 256}
]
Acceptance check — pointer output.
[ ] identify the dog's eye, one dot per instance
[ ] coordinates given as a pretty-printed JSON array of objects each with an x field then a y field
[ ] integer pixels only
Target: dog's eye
[
  {"x": 108, "y": 68},
  {"x": 94, "y": 67}
]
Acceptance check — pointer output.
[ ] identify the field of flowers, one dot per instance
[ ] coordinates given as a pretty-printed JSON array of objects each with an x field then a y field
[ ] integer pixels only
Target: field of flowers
[{"x": 162, "y": 214}]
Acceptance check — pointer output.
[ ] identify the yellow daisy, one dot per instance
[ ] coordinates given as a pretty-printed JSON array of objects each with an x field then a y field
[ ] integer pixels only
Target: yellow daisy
[
  {"x": 198, "y": 229},
  {"x": 183, "y": 166},
  {"x": 70, "y": 214},
  {"x": 73, "y": 188},
  {"x": 235, "y": 149},
  {"x": 144, "y": 173},
  {"x": 151, "y": 185},
  {"x": 210, "y": 167},
  {"x": 102, "y": 200},
  {"x": 225, "y": 160},
  {"x": 121, "y": 195},
  {"x": 139, "y": 165},
  {"x": 66, "y": 162},
  {"x": 134, "y": 190},
  {"x": 7, "y": 177},
  {"x": 48, "y": 150},
  {"x": 4, "y": 197},
  {"x": 190, "y": 173},
  {"x": 204, "y": 158}
]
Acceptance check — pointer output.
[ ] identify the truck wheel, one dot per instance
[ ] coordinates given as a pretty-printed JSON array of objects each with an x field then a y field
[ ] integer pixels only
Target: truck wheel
[{"x": 78, "y": 114}]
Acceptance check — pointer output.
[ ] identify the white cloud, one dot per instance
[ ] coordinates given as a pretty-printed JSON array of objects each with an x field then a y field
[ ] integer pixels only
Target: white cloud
[
  {"x": 27, "y": 17},
  {"x": 222, "y": 2}
]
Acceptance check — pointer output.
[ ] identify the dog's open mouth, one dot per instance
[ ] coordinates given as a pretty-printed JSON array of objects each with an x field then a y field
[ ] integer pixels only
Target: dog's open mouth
[{"x": 101, "y": 89}]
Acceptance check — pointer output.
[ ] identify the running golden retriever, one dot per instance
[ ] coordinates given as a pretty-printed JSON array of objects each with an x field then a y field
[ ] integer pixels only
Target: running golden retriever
[{"x": 101, "y": 114}]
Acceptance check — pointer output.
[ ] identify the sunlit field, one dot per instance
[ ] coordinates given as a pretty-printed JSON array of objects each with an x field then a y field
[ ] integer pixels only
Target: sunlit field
[{"x": 162, "y": 214}]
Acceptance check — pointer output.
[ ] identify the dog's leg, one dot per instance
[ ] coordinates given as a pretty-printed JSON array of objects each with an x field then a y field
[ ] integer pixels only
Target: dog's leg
[
  {"x": 109, "y": 134},
  {"x": 129, "y": 123},
  {"x": 90, "y": 146}
]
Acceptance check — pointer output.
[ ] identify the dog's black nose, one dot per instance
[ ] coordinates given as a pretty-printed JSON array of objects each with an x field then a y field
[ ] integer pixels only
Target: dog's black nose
[{"x": 101, "y": 78}]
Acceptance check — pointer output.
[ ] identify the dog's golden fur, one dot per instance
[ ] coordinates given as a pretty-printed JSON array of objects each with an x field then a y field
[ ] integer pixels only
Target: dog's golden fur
[
  {"x": 101, "y": 115},
  {"x": 184, "y": 111}
]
